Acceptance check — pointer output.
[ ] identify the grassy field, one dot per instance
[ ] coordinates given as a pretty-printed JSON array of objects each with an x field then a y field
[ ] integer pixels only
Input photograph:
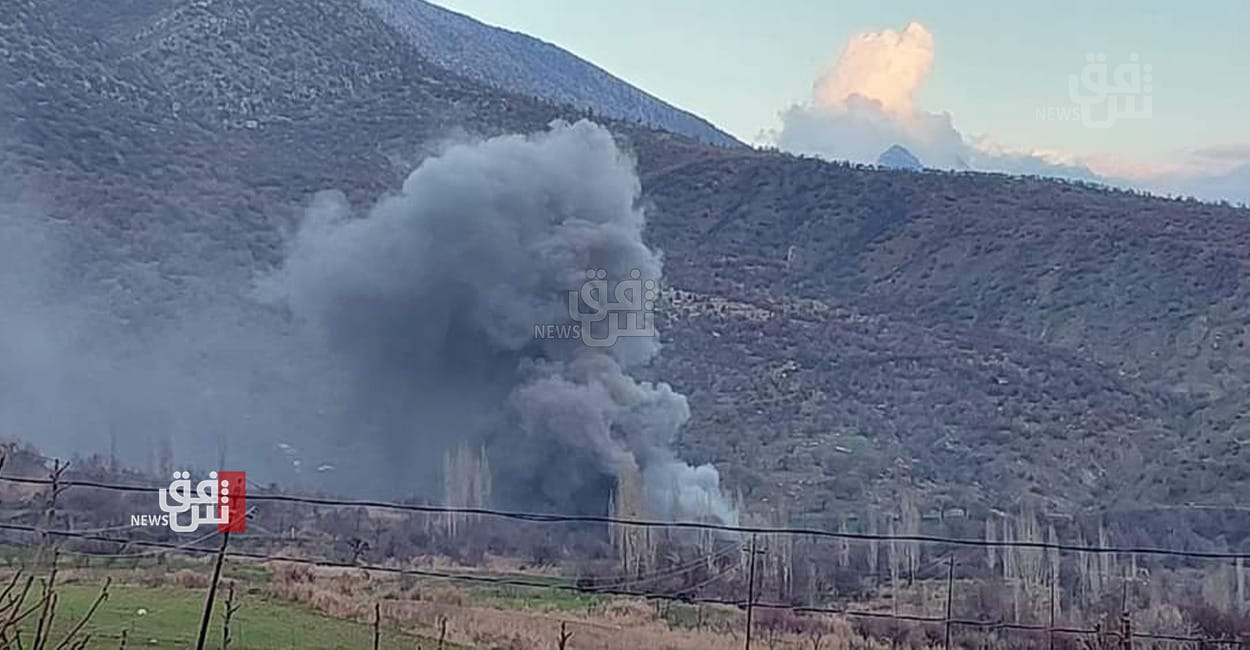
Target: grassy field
[
  {"x": 291, "y": 606},
  {"x": 170, "y": 619},
  {"x": 531, "y": 598},
  {"x": 157, "y": 603}
]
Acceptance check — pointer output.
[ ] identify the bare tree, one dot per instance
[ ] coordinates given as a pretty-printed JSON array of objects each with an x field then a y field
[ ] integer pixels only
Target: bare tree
[
  {"x": 227, "y": 615},
  {"x": 14, "y": 608}
]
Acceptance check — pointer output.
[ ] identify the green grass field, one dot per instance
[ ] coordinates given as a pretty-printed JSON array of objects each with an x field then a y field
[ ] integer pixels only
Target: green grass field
[
  {"x": 172, "y": 615},
  {"x": 534, "y": 599}
]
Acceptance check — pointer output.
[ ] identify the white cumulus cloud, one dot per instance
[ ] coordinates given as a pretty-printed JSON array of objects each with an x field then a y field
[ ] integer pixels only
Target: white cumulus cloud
[
  {"x": 885, "y": 67},
  {"x": 866, "y": 102}
]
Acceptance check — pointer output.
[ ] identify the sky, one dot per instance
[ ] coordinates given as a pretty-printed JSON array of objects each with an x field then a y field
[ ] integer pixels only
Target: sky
[{"x": 993, "y": 67}]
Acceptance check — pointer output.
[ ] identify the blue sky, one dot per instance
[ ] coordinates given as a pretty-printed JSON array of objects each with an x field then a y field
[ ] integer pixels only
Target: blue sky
[{"x": 739, "y": 63}]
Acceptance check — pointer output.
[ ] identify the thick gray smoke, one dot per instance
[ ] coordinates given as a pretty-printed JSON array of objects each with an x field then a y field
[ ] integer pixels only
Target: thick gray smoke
[
  {"x": 430, "y": 300},
  {"x": 220, "y": 383}
]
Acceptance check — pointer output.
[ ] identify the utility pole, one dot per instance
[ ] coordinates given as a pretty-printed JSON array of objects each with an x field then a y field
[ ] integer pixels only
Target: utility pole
[
  {"x": 950, "y": 596},
  {"x": 212, "y": 593},
  {"x": 1050, "y": 627},
  {"x": 1126, "y": 622},
  {"x": 750, "y": 591}
]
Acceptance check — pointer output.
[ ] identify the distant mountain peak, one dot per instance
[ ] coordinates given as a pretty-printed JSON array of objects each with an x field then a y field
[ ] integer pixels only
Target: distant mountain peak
[{"x": 898, "y": 157}]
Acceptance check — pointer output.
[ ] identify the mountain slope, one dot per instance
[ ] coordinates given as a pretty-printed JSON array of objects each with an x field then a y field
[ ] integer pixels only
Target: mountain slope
[
  {"x": 521, "y": 63},
  {"x": 843, "y": 407},
  {"x": 845, "y": 334},
  {"x": 1147, "y": 290}
]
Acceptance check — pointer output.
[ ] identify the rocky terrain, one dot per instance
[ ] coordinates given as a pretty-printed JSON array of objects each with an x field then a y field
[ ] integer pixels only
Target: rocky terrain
[{"x": 520, "y": 63}]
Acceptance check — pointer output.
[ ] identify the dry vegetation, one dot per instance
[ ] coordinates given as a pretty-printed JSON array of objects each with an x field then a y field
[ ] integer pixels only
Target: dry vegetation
[
  {"x": 579, "y": 587},
  {"x": 527, "y": 619}
]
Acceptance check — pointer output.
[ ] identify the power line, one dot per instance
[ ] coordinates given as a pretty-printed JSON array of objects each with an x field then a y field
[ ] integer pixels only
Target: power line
[
  {"x": 516, "y": 582},
  {"x": 658, "y": 575},
  {"x": 141, "y": 554},
  {"x": 709, "y": 580},
  {"x": 545, "y": 518}
]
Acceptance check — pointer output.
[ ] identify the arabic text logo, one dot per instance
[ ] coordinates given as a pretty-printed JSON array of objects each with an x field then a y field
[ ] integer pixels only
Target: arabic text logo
[
  {"x": 604, "y": 312},
  {"x": 1102, "y": 95},
  {"x": 221, "y": 499}
]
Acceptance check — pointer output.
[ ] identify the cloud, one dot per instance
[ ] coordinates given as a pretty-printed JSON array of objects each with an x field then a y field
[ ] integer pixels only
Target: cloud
[
  {"x": 867, "y": 102},
  {"x": 1211, "y": 173},
  {"x": 885, "y": 67},
  {"x": 860, "y": 129}
]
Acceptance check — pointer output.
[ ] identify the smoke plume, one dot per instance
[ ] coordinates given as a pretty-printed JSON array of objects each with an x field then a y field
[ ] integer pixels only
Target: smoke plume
[
  {"x": 218, "y": 382},
  {"x": 430, "y": 299}
]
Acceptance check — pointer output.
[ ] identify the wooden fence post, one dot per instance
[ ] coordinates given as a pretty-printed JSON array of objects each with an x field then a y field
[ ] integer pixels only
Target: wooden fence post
[
  {"x": 377, "y": 625},
  {"x": 950, "y": 597},
  {"x": 750, "y": 591},
  {"x": 227, "y": 615},
  {"x": 1050, "y": 625}
]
